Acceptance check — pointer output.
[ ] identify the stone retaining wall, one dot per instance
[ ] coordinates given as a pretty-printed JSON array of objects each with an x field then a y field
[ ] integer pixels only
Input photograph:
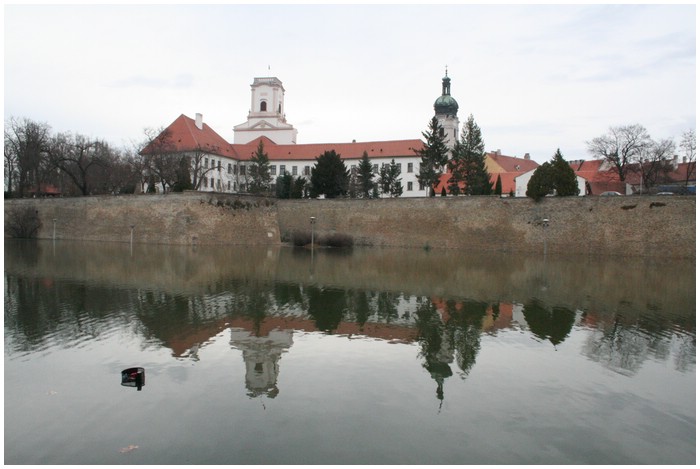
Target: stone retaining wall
[{"x": 654, "y": 226}]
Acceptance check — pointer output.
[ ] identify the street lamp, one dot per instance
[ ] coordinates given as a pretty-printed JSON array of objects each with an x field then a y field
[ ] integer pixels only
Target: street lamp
[{"x": 313, "y": 221}]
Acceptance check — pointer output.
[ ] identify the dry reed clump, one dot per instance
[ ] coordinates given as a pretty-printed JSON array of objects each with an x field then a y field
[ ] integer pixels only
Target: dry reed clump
[{"x": 333, "y": 240}]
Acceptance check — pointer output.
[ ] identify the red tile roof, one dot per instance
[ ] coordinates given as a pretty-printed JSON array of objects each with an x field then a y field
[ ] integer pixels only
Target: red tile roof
[
  {"x": 508, "y": 167},
  {"x": 511, "y": 164},
  {"x": 354, "y": 150},
  {"x": 184, "y": 135}
]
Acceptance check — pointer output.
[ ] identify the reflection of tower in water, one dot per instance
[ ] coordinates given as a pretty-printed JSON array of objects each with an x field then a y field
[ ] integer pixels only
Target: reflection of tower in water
[{"x": 261, "y": 356}]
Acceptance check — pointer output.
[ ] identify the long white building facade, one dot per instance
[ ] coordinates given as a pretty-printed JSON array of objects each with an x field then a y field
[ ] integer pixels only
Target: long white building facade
[{"x": 224, "y": 167}]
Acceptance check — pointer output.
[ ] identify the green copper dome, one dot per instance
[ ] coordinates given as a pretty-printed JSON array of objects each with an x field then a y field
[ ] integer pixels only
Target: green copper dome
[{"x": 446, "y": 104}]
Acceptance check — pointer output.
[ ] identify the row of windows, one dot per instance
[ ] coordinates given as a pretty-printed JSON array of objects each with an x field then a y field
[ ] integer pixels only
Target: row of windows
[
  {"x": 375, "y": 167},
  {"x": 216, "y": 184},
  {"x": 236, "y": 169},
  {"x": 295, "y": 170}
]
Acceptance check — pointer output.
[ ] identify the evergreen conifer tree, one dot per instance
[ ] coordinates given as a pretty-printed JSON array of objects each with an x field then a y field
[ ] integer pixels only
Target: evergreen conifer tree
[
  {"x": 565, "y": 182},
  {"x": 389, "y": 179},
  {"x": 434, "y": 156},
  {"x": 468, "y": 163},
  {"x": 329, "y": 176},
  {"x": 541, "y": 183},
  {"x": 365, "y": 175},
  {"x": 259, "y": 171},
  {"x": 499, "y": 186}
]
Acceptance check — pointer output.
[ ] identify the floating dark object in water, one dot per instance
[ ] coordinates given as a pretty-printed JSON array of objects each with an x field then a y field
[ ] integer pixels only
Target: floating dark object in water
[{"x": 134, "y": 377}]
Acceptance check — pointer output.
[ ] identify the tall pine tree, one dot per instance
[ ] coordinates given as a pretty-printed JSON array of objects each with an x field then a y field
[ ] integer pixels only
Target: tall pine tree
[
  {"x": 259, "y": 171},
  {"x": 468, "y": 163},
  {"x": 565, "y": 182},
  {"x": 329, "y": 176},
  {"x": 365, "y": 176},
  {"x": 389, "y": 179},
  {"x": 433, "y": 155}
]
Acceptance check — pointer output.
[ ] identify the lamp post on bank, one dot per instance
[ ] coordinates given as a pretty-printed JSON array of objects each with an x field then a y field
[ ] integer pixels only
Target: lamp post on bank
[
  {"x": 545, "y": 224},
  {"x": 131, "y": 241},
  {"x": 313, "y": 222}
]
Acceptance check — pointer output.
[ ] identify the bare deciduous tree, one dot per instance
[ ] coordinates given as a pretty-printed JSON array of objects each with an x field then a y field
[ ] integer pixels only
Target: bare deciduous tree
[
  {"x": 79, "y": 158},
  {"x": 654, "y": 162},
  {"x": 688, "y": 144},
  {"x": 25, "y": 143},
  {"x": 620, "y": 146}
]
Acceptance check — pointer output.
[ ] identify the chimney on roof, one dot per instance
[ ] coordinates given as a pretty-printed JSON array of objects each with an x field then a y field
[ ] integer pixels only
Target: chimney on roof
[
  {"x": 675, "y": 162},
  {"x": 498, "y": 152},
  {"x": 527, "y": 156},
  {"x": 198, "y": 120}
]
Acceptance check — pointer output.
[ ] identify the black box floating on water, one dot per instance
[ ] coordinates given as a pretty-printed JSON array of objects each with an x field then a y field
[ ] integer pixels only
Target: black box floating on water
[{"x": 134, "y": 377}]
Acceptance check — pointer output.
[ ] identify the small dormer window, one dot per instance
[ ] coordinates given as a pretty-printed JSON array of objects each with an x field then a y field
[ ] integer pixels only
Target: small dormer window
[{"x": 263, "y": 106}]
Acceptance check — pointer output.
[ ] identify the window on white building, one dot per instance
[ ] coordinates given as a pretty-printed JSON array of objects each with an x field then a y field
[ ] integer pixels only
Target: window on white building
[
  {"x": 273, "y": 170},
  {"x": 307, "y": 170},
  {"x": 375, "y": 169},
  {"x": 282, "y": 170},
  {"x": 410, "y": 167},
  {"x": 409, "y": 185},
  {"x": 294, "y": 170},
  {"x": 230, "y": 170}
]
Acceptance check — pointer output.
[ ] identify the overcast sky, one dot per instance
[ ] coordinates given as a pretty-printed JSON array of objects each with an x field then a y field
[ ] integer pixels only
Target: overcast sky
[{"x": 535, "y": 78}]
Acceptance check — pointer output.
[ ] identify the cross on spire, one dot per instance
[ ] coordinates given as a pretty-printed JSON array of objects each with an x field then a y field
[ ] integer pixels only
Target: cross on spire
[{"x": 445, "y": 70}]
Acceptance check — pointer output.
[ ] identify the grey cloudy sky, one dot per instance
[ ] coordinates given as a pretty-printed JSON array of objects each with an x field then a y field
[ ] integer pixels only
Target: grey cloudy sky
[{"x": 536, "y": 78}]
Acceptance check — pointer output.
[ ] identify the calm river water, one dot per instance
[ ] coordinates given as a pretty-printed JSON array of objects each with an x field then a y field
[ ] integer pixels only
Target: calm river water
[{"x": 284, "y": 356}]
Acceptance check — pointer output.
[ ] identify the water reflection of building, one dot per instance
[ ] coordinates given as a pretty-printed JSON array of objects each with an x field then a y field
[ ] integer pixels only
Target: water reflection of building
[{"x": 261, "y": 355}]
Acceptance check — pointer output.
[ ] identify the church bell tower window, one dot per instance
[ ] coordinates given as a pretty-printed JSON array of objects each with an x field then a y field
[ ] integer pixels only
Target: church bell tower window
[{"x": 263, "y": 106}]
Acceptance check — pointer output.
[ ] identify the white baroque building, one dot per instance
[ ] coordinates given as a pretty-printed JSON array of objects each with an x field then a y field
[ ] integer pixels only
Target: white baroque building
[{"x": 220, "y": 166}]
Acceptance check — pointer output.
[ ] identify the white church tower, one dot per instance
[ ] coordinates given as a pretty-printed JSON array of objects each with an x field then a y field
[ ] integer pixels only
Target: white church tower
[
  {"x": 266, "y": 116},
  {"x": 446, "y": 108}
]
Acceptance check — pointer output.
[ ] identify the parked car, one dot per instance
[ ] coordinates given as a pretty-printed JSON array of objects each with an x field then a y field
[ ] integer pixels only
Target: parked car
[
  {"x": 609, "y": 194},
  {"x": 665, "y": 193}
]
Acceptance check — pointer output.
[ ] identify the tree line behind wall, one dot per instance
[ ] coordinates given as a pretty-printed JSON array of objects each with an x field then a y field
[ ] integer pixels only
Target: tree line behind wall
[{"x": 39, "y": 162}]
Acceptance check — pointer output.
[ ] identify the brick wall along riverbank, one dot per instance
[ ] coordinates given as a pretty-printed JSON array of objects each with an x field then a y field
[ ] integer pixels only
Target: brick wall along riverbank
[{"x": 624, "y": 226}]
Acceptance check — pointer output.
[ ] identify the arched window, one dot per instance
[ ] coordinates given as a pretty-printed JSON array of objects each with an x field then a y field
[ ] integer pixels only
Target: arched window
[{"x": 263, "y": 106}]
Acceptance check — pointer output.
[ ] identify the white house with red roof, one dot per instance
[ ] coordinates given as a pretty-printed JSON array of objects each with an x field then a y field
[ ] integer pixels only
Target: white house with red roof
[{"x": 223, "y": 166}]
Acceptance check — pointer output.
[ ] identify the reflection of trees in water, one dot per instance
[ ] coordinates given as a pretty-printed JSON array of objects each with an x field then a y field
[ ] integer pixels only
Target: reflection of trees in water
[
  {"x": 623, "y": 344},
  {"x": 456, "y": 333},
  {"x": 327, "y": 306},
  {"x": 39, "y": 311},
  {"x": 548, "y": 324},
  {"x": 465, "y": 322},
  {"x": 434, "y": 345}
]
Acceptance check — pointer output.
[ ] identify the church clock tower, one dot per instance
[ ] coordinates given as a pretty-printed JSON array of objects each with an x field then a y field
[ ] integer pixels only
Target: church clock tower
[
  {"x": 446, "y": 108},
  {"x": 266, "y": 116}
]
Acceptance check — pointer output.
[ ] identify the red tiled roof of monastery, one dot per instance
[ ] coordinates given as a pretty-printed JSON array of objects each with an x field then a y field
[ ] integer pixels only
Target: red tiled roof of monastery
[
  {"x": 184, "y": 135},
  {"x": 353, "y": 150}
]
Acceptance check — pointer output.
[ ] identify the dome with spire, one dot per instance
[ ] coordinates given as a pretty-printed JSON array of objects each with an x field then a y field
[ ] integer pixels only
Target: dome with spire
[{"x": 446, "y": 104}]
